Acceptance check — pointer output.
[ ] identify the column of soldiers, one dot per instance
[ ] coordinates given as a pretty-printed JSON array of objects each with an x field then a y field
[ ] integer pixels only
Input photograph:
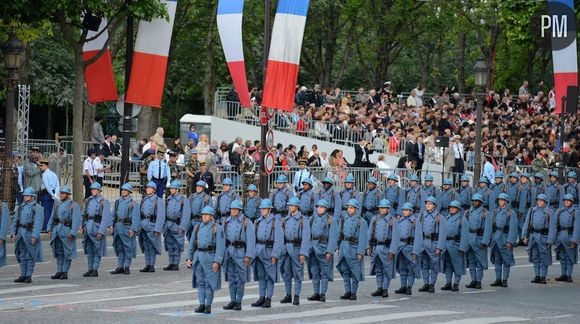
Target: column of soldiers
[{"x": 417, "y": 232}]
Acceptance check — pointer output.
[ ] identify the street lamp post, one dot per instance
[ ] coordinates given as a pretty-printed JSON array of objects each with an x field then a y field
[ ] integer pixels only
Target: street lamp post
[
  {"x": 13, "y": 57},
  {"x": 480, "y": 70}
]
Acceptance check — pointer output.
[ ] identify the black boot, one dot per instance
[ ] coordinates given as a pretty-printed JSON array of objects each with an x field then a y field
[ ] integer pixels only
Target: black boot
[
  {"x": 478, "y": 285},
  {"x": 20, "y": 279},
  {"x": 87, "y": 274},
  {"x": 352, "y": 296},
  {"x": 569, "y": 279},
  {"x": 496, "y": 283},
  {"x": 425, "y": 288},
  {"x": 296, "y": 300},
  {"x": 56, "y": 276},
  {"x": 200, "y": 309},
  {"x": 346, "y": 296},
  {"x": 175, "y": 267},
  {"x": 377, "y": 293},
  {"x": 401, "y": 291},
  {"x": 118, "y": 271},
  {"x": 238, "y": 307},
  {"x": 93, "y": 274},
  {"x": 543, "y": 280},
  {"x": 207, "y": 309},
  {"x": 536, "y": 280},
  {"x": 504, "y": 283},
  {"x": 314, "y": 297},
  {"x": 127, "y": 271},
  {"x": 28, "y": 280},
  {"x": 229, "y": 306},
  {"x": 258, "y": 302},
  {"x": 471, "y": 285},
  {"x": 385, "y": 293},
  {"x": 409, "y": 291},
  {"x": 431, "y": 289},
  {"x": 168, "y": 268},
  {"x": 63, "y": 276},
  {"x": 287, "y": 299},
  {"x": 447, "y": 287},
  {"x": 267, "y": 303},
  {"x": 455, "y": 287},
  {"x": 323, "y": 298},
  {"x": 152, "y": 269},
  {"x": 146, "y": 269},
  {"x": 562, "y": 278}
]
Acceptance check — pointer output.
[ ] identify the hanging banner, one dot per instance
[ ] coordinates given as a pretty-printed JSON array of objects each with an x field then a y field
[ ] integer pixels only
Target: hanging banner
[
  {"x": 99, "y": 74},
  {"x": 561, "y": 25},
  {"x": 150, "y": 59},
  {"x": 229, "y": 22},
  {"x": 284, "y": 57}
]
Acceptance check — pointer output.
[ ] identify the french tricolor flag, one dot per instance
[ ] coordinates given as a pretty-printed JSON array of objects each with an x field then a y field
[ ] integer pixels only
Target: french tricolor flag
[
  {"x": 284, "y": 58},
  {"x": 229, "y": 22},
  {"x": 99, "y": 75},
  {"x": 150, "y": 59}
]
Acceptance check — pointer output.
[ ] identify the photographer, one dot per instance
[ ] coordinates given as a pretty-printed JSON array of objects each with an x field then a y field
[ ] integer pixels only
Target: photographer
[{"x": 362, "y": 152}]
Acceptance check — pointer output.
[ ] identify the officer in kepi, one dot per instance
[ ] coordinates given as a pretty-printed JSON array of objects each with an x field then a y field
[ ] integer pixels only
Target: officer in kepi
[
  {"x": 408, "y": 262},
  {"x": 4, "y": 224},
  {"x": 63, "y": 227},
  {"x": 176, "y": 217},
  {"x": 125, "y": 222},
  {"x": 478, "y": 221},
  {"x": 240, "y": 251},
  {"x": 567, "y": 236},
  {"x": 539, "y": 234},
  {"x": 323, "y": 237},
  {"x": 504, "y": 235},
  {"x": 97, "y": 217},
  {"x": 457, "y": 241},
  {"x": 152, "y": 211},
  {"x": 433, "y": 228},
  {"x": 25, "y": 231},
  {"x": 352, "y": 236},
  {"x": 205, "y": 256},
  {"x": 383, "y": 245},
  {"x": 159, "y": 173}
]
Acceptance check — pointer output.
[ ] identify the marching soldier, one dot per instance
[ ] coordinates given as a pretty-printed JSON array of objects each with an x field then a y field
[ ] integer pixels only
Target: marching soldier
[
  {"x": 4, "y": 224},
  {"x": 479, "y": 224},
  {"x": 158, "y": 172},
  {"x": 428, "y": 188},
  {"x": 206, "y": 252},
  {"x": 370, "y": 200},
  {"x": 433, "y": 228},
  {"x": 485, "y": 193},
  {"x": 572, "y": 187},
  {"x": 324, "y": 238},
  {"x": 525, "y": 202},
  {"x": 496, "y": 188},
  {"x": 280, "y": 196},
  {"x": 297, "y": 246},
  {"x": 306, "y": 198},
  {"x": 392, "y": 194},
  {"x": 64, "y": 224},
  {"x": 540, "y": 233},
  {"x": 176, "y": 217},
  {"x": 25, "y": 232},
  {"x": 199, "y": 199},
  {"x": 504, "y": 234},
  {"x": 224, "y": 200},
  {"x": 97, "y": 218},
  {"x": 240, "y": 251},
  {"x": 191, "y": 170},
  {"x": 538, "y": 187},
  {"x": 408, "y": 262},
  {"x": 332, "y": 198},
  {"x": 446, "y": 196},
  {"x": 349, "y": 192},
  {"x": 457, "y": 241},
  {"x": 383, "y": 245},
  {"x": 269, "y": 247},
  {"x": 252, "y": 203},
  {"x": 353, "y": 242},
  {"x": 152, "y": 211},
  {"x": 514, "y": 190},
  {"x": 413, "y": 195},
  {"x": 125, "y": 221},
  {"x": 567, "y": 236},
  {"x": 553, "y": 191},
  {"x": 464, "y": 192}
]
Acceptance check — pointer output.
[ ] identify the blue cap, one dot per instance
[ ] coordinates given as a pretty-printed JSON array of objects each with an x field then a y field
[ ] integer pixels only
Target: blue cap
[
  {"x": 384, "y": 203},
  {"x": 554, "y": 174},
  {"x": 414, "y": 177},
  {"x": 514, "y": 175},
  {"x": 407, "y": 206},
  {"x": 431, "y": 199},
  {"x": 200, "y": 183},
  {"x": 328, "y": 180},
  {"x": 152, "y": 184},
  {"x": 349, "y": 179},
  {"x": 448, "y": 182},
  {"x": 483, "y": 180},
  {"x": 266, "y": 203},
  {"x": 464, "y": 177},
  {"x": 572, "y": 174},
  {"x": 322, "y": 203},
  {"x": 542, "y": 197},
  {"x": 455, "y": 204},
  {"x": 539, "y": 175},
  {"x": 352, "y": 203},
  {"x": 499, "y": 174},
  {"x": 236, "y": 204},
  {"x": 252, "y": 187},
  {"x": 503, "y": 196},
  {"x": 66, "y": 189},
  {"x": 428, "y": 177},
  {"x": 208, "y": 210},
  {"x": 227, "y": 181},
  {"x": 477, "y": 197},
  {"x": 96, "y": 185},
  {"x": 372, "y": 180},
  {"x": 393, "y": 176},
  {"x": 569, "y": 197},
  {"x": 30, "y": 192},
  {"x": 294, "y": 201},
  {"x": 308, "y": 181},
  {"x": 127, "y": 187},
  {"x": 175, "y": 184},
  {"x": 282, "y": 179}
]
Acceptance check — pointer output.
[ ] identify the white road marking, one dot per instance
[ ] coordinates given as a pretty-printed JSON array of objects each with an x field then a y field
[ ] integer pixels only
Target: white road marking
[
  {"x": 33, "y": 288},
  {"x": 556, "y": 317},
  {"x": 183, "y": 303},
  {"x": 70, "y": 293},
  {"x": 477, "y": 291},
  {"x": 311, "y": 313},
  {"x": 487, "y": 320},
  {"x": 116, "y": 298},
  {"x": 390, "y": 317}
]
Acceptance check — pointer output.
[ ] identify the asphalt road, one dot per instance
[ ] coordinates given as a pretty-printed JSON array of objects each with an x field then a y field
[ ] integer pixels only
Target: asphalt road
[{"x": 167, "y": 297}]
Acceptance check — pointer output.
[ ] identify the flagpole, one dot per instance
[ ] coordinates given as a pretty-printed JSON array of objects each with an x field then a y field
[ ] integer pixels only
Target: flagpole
[
  {"x": 264, "y": 128},
  {"x": 127, "y": 111}
]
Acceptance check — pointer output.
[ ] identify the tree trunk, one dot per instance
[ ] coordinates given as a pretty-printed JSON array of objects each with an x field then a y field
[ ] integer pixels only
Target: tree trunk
[
  {"x": 88, "y": 120},
  {"x": 530, "y": 63},
  {"x": 461, "y": 63},
  {"x": 49, "y": 122},
  {"x": 78, "y": 126},
  {"x": 209, "y": 74}
]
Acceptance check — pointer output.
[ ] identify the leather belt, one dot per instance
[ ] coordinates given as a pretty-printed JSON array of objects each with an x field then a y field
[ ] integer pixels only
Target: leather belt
[
  {"x": 236, "y": 244},
  {"x": 431, "y": 237},
  {"x": 210, "y": 249}
]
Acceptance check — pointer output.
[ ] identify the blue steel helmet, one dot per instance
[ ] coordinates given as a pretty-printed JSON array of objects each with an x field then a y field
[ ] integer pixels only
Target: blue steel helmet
[
  {"x": 572, "y": 174},
  {"x": 407, "y": 206},
  {"x": 428, "y": 177},
  {"x": 503, "y": 196},
  {"x": 127, "y": 187},
  {"x": 483, "y": 180},
  {"x": 414, "y": 177},
  {"x": 308, "y": 181},
  {"x": 373, "y": 180},
  {"x": 227, "y": 181},
  {"x": 477, "y": 197},
  {"x": 542, "y": 197},
  {"x": 554, "y": 174},
  {"x": 514, "y": 175},
  {"x": 282, "y": 179},
  {"x": 294, "y": 201},
  {"x": 96, "y": 185},
  {"x": 352, "y": 203},
  {"x": 322, "y": 203},
  {"x": 252, "y": 187},
  {"x": 464, "y": 177},
  {"x": 525, "y": 175},
  {"x": 432, "y": 200},
  {"x": 349, "y": 179},
  {"x": 66, "y": 189},
  {"x": 266, "y": 203},
  {"x": 499, "y": 175},
  {"x": 455, "y": 204},
  {"x": 539, "y": 175},
  {"x": 384, "y": 203},
  {"x": 448, "y": 182},
  {"x": 200, "y": 183},
  {"x": 151, "y": 184},
  {"x": 328, "y": 180},
  {"x": 236, "y": 204},
  {"x": 569, "y": 197},
  {"x": 393, "y": 176},
  {"x": 208, "y": 210},
  {"x": 175, "y": 184},
  {"x": 29, "y": 192}
]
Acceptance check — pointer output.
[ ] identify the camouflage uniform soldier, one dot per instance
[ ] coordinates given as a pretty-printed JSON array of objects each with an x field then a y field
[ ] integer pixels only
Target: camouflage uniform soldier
[
  {"x": 191, "y": 169},
  {"x": 143, "y": 172}
]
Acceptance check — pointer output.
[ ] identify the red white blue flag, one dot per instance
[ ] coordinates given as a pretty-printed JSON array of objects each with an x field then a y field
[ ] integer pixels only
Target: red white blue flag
[
  {"x": 99, "y": 75},
  {"x": 284, "y": 57},
  {"x": 229, "y": 22},
  {"x": 150, "y": 59}
]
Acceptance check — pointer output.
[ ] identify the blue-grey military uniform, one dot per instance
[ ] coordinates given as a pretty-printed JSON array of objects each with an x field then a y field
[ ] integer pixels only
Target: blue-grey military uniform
[
  {"x": 479, "y": 223},
  {"x": 432, "y": 227},
  {"x": 126, "y": 218},
  {"x": 27, "y": 224},
  {"x": 279, "y": 198},
  {"x": 240, "y": 245},
  {"x": 504, "y": 231},
  {"x": 152, "y": 214},
  {"x": 353, "y": 240},
  {"x": 445, "y": 197},
  {"x": 496, "y": 189},
  {"x": 553, "y": 190},
  {"x": 251, "y": 207},
  {"x": 567, "y": 232},
  {"x": 383, "y": 244},
  {"x": 540, "y": 230},
  {"x": 4, "y": 224},
  {"x": 392, "y": 193},
  {"x": 514, "y": 190},
  {"x": 525, "y": 203},
  {"x": 537, "y": 187},
  {"x": 370, "y": 201},
  {"x": 430, "y": 190},
  {"x": 486, "y": 195},
  {"x": 307, "y": 198},
  {"x": 64, "y": 224},
  {"x": 347, "y": 194},
  {"x": 177, "y": 214},
  {"x": 572, "y": 188},
  {"x": 332, "y": 197},
  {"x": 223, "y": 202},
  {"x": 464, "y": 193},
  {"x": 97, "y": 218},
  {"x": 297, "y": 243},
  {"x": 159, "y": 173},
  {"x": 453, "y": 259},
  {"x": 415, "y": 196},
  {"x": 408, "y": 254},
  {"x": 197, "y": 202}
]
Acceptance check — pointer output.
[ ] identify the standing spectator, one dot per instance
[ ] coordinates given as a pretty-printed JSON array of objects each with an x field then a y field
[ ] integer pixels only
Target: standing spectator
[
  {"x": 106, "y": 146},
  {"x": 202, "y": 147},
  {"x": 419, "y": 95},
  {"x": 98, "y": 137},
  {"x": 32, "y": 173},
  {"x": 360, "y": 96},
  {"x": 192, "y": 134},
  {"x": 421, "y": 155},
  {"x": 458, "y": 163},
  {"x": 488, "y": 169},
  {"x": 159, "y": 140},
  {"x": 19, "y": 174},
  {"x": 362, "y": 152},
  {"x": 301, "y": 175},
  {"x": 100, "y": 167},
  {"x": 49, "y": 191},
  {"x": 523, "y": 89},
  {"x": 57, "y": 161},
  {"x": 115, "y": 146},
  {"x": 412, "y": 149},
  {"x": 177, "y": 147},
  {"x": 411, "y": 102},
  {"x": 89, "y": 171},
  {"x": 324, "y": 160}
]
